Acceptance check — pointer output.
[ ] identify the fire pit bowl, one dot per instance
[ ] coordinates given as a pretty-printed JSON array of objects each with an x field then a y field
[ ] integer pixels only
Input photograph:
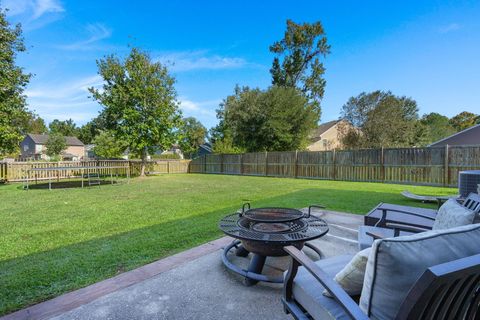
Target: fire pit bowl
[{"x": 264, "y": 232}]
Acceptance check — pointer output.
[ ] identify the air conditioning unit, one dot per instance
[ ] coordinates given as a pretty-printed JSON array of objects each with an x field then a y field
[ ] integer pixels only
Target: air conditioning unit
[{"x": 468, "y": 181}]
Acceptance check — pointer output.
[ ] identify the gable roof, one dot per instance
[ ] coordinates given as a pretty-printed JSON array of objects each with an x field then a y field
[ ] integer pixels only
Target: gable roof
[
  {"x": 469, "y": 136},
  {"x": 207, "y": 146},
  {"x": 43, "y": 138},
  {"x": 321, "y": 129}
]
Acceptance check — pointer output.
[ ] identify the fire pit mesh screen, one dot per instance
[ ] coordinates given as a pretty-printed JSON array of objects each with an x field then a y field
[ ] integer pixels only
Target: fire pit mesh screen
[
  {"x": 273, "y": 214},
  {"x": 298, "y": 230}
]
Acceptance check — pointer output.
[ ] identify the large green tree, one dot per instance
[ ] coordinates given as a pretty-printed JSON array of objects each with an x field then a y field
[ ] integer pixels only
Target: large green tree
[
  {"x": 438, "y": 126},
  {"x": 192, "y": 134},
  {"x": 381, "y": 119},
  {"x": 297, "y": 60},
  {"x": 91, "y": 129},
  {"x": 13, "y": 80},
  {"x": 35, "y": 124},
  {"x": 67, "y": 127},
  {"x": 56, "y": 143},
  {"x": 107, "y": 146},
  {"x": 464, "y": 120},
  {"x": 140, "y": 102},
  {"x": 277, "y": 119}
]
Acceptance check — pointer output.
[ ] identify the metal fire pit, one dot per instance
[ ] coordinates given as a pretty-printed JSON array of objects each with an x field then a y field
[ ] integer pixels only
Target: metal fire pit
[{"x": 264, "y": 232}]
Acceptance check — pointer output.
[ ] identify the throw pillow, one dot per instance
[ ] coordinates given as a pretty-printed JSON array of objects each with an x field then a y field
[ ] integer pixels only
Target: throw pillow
[
  {"x": 452, "y": 214},
  {"x": 350, "y": 278}
]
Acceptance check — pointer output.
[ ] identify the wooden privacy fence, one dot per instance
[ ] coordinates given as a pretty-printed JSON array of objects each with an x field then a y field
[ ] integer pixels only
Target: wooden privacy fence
[
  {"x": 438, "y": 166},
  {"x": 17, "y": 171}
]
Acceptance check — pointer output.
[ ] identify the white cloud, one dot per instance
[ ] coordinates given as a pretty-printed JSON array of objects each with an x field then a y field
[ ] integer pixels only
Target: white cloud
[
  {"x": 64, "y": 100},
  {"x": 195, "y": 60},
  {"x": 34, "y": 8},
  {"x": 46, "y": 6},
  {"x": 449, "y": 28},
  {"x": 203, "y": 108},
  {"x": 96, "y": 32}
]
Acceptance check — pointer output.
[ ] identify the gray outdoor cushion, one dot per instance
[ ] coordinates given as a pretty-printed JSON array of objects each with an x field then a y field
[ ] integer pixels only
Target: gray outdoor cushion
[
  {"x": 452, "y": 214},
  {"x": 308, "y": 291},
  {"x": 395, "y": 264},
  {"x": 366, "y": 241}
]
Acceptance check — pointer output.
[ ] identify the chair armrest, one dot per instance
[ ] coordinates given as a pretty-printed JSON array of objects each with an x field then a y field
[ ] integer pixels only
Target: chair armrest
[
  {"x": 386, "y": 210},
  {"x": 375, "y": 236},
  {"x": 337, "y": 292},
  {"x": 404, "y": 227}
]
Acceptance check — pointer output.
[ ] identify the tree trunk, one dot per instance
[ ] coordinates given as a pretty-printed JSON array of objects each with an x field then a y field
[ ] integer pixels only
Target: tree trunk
[{"x": 144, "y": 162}]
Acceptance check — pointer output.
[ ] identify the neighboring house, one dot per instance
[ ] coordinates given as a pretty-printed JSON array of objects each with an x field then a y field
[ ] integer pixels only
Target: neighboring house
[
  {"x": 328, "y": 135},
  {"x": 33, "y": 147},
  {"x": 469, "y": 136},
  {"x": 175, "y": 149},
  {"x": 204, "y": 149}
]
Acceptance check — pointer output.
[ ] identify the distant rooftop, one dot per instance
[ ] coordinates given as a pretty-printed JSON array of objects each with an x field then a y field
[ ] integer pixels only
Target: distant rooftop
[
  {"x": 321, "y": 129},
  {"x": 469, "y": 136},
  {"x": 43, "y": 138}
]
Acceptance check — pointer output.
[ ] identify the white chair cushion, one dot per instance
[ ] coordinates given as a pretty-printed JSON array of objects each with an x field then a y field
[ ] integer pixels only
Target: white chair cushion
[
  {"x": 452, "y": 214},
  {"x": 350, "y": 278}
]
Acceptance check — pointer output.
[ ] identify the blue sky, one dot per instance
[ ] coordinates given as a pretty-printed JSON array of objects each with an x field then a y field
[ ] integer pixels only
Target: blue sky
[{"x": 428, "y": 50}]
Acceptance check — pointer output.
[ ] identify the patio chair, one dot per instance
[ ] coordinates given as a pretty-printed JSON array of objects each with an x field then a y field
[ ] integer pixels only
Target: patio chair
[
  {"x": 402, "y": 220},
  {"x": 431, "y": 275},
  {"x": 436, "y": 199}
]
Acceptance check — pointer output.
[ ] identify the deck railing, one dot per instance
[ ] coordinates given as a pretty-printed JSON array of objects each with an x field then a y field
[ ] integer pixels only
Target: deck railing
[{"x": 19, "y": 170}]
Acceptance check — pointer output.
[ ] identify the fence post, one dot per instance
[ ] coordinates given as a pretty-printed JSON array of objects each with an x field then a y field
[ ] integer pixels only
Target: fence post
[
  {"x": 266, "y": 163},
  {"x": 221, "y": 163},
  {"x": 168, "y": 166},
  {"x": 241, "y": 164},
  {"x": 296, "y": 164},
  {"x": 446, "y": 171},
  {"x": 382, "y": 168},
  {"x": 334, "y": 160},
  {"x": 204, "y": 163}
]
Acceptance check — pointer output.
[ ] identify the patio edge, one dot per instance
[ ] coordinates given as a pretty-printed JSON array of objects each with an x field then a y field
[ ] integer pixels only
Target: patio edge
[{"x": 74, "y": 299}]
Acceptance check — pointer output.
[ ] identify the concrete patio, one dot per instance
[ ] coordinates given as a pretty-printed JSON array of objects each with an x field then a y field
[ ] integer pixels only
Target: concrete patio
[{"x": 191, "y": 285}]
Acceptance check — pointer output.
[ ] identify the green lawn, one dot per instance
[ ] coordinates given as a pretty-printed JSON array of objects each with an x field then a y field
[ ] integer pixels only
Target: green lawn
[{"x": 56, "y": 241}]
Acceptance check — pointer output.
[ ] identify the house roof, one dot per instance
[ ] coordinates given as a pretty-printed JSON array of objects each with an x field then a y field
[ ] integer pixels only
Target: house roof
[
  {"x": 207, "y": 146},
  {"x": 321, "y": 129},
  {"x": 469, "y": 136},
  {"x": 43, "y": 138}
]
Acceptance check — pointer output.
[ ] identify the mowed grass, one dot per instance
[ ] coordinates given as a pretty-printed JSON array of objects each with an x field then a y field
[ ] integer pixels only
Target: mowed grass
[{"x": 56, "y": 241}]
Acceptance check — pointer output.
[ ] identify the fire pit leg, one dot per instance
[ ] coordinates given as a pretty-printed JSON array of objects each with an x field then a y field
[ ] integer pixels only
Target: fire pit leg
[
  {"x": 241, "y": 251},
  {"x": 256, "y": 266}
]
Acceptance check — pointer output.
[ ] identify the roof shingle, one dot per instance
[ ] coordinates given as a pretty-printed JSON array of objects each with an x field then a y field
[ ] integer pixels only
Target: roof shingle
[{"x": 43, "y": 138}]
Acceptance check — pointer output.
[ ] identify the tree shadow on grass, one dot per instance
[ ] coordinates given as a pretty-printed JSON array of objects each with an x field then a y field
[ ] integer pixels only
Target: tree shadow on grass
[{"x": 36, "y": 277}]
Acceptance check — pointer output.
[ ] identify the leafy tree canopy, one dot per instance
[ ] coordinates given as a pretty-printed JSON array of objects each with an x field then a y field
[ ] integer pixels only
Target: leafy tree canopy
[
  {"x": 297, "y": 61},
  {"x": 56, "y": 143},
  {"x": 277, "y": 119},
  {"x": 464, "y": 120},
  {"x": 66, "y": 128},
  {"x": 91, "y": 129},
  {"x": 139, "y": 101},
  {"x": 382, "y": 120},
  {"x": 107, "y": 146},
  {"x": 35, "y": 124},
  {"x": 438, "y": 126},
  {"x": 13, "y": 112},
  {"x": 192, "y": 135}
]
